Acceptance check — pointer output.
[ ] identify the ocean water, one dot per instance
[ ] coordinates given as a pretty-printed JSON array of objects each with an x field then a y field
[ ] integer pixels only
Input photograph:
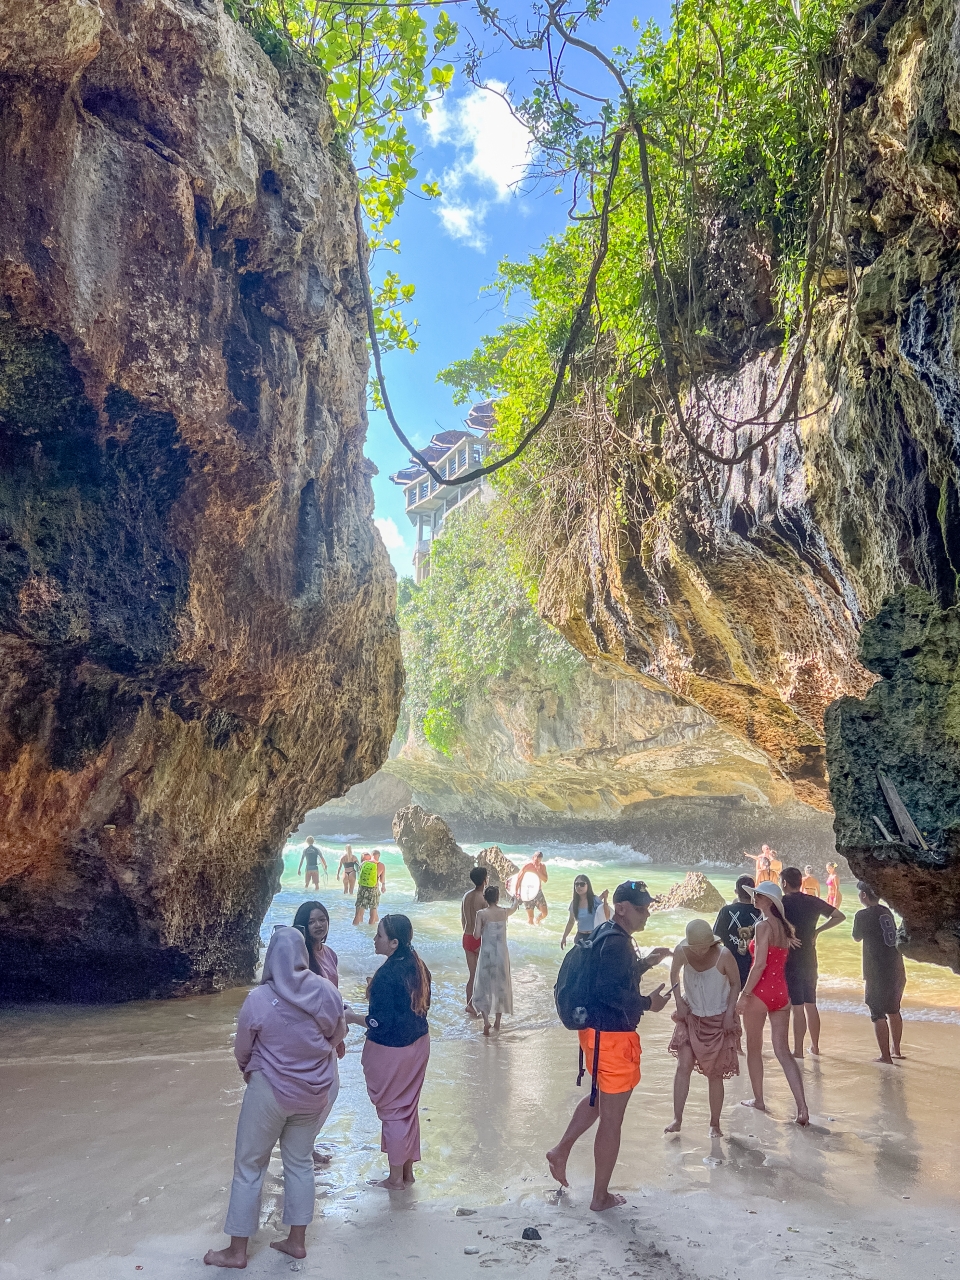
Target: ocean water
[{"x": 933, "y": 993}]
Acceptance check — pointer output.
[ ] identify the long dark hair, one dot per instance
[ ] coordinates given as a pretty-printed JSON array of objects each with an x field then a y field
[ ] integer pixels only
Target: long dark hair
[
  {"x": 778, "y": 911},
  {"x": 399, "y": 929},
  {"x": 301, "y": 921},
  {"x": 591, "y": 898}
]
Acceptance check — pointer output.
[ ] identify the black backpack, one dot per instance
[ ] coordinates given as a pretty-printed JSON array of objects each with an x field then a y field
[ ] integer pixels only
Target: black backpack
[{"x": 573, "y": 993}]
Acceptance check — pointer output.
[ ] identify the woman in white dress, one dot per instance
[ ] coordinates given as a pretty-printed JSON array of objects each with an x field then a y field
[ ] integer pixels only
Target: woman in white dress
[{"x": 492, "y": 988}]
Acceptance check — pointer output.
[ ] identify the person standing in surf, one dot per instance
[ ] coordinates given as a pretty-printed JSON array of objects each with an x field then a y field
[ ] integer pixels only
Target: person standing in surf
[
  {"x": 587, "y": 910},
  {"x": 349, "y": 866},
  {"x": 309, "y": 856},
  {"x": 528, "y": 888},
  {"x": 493, "y": 989},
  {"x": 473, "y": 901},
  {"x": 834, "y": 896},
  {"x": 368, "y": 890},
  {"x": 616, "y": 1009},
  {"x": 397, "y": 1048},
  {"x": 804, "y": 912}
]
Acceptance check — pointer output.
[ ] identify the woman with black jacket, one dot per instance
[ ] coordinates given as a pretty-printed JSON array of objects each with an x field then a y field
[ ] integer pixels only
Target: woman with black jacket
[{"x": 397, "y": 1049}]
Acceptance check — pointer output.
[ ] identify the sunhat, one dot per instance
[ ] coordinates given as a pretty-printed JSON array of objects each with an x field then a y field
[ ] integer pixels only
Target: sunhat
[
  {"x": 769, "y": 890},
  {"x": 700, "y": 934}
]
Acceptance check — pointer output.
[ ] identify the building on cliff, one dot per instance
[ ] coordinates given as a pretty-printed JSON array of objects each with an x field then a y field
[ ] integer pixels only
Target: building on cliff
[{"x": 451, "y": 453}]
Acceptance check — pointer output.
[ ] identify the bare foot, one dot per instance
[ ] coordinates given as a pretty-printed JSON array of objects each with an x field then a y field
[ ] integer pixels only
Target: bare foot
[
  {"x": 293, "y": 1250},
  {"x": 225, "y": 1258},
  {"x": 803, "y": 1117},
  {"x": 557, "y": 1165},
  {"x": 673, "y": 1128},
  {"x": 609, "y": 1201},
  {"x": 814, "y": 1051},
  {"x": 486, "y": 1029},
  {"x": 716, "y": 1131},
  {"x": 321, "y": 1160},
  {"x": 752, "y": 1102},
  {"x": 898, "y": 1054},
  {"x": 797, "y": 1053},
  {"x": 469, "y": 1009},
  {"x": 887, "y": 1062},
  {"x": 409, "y": 1180},
  {"x": 386, "y": 1183}
]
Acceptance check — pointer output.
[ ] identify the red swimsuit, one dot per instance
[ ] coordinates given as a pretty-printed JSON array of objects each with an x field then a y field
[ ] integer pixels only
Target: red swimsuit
[{"x": 772, "y": 987}]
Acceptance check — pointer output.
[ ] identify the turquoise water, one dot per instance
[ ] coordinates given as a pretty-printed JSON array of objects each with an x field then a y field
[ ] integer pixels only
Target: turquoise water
[{"x": 933, "y": 993}]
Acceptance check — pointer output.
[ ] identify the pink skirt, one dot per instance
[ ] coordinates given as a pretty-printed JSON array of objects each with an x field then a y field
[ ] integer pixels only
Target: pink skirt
[
  {"x": 714, "y": 1050},
  {"x": 394, "y": 1079}
]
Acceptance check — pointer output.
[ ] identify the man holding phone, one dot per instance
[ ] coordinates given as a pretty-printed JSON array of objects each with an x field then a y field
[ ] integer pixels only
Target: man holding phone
[{"x": 616, "y": 1007}]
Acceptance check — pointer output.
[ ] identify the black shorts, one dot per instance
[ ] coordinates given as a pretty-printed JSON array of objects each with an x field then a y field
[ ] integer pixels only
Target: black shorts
[
  {"x": 883, "y": 998},
  {"x": 802, "y": 987}
]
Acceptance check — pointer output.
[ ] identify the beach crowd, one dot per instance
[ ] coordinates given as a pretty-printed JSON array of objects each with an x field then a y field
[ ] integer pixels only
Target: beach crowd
[{"x": 757, "y": 963}]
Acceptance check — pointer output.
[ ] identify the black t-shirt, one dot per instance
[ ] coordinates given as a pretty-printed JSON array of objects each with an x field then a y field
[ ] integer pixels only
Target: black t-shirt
[
  {"x": 735, "y": 925},
  {"x": 804, "y": 912},
  {"x": 876, "y": 928}
]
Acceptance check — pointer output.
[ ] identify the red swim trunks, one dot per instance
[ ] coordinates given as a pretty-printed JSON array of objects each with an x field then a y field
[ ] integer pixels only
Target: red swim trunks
[{"x": 470, "y": 943}]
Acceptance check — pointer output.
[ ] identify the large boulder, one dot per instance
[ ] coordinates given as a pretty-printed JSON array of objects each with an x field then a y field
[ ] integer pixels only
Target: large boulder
[
  {"x": 693, "y": 893},
  {"x": 499, "y": 867},
  {"x": 908, "y": 729},
  {"x": 439, "y": 867},
  {"x": 197, "y": 632}
]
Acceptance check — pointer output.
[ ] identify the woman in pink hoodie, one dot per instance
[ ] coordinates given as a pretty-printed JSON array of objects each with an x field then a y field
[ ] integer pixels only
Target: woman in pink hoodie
[{"x": 287, "y": 1035}]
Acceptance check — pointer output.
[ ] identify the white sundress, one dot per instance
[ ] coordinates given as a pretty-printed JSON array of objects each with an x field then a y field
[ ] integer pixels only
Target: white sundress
[{"x": 492, "y": 988}]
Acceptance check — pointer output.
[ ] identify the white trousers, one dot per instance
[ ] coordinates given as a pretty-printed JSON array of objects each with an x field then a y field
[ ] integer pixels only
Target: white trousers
[{"x": 262, "y": 1123}]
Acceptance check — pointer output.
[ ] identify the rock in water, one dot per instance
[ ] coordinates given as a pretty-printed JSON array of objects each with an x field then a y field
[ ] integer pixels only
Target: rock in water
[
  {"x": 498, "y": 865},
  {"x": 197, "y": 635},
  {"x": 693, "y": 893},
  {"x": 439, "y": 867}
]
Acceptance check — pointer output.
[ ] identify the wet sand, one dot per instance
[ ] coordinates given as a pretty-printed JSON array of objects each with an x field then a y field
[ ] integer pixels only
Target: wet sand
[{"x": 117, "y": 1128}]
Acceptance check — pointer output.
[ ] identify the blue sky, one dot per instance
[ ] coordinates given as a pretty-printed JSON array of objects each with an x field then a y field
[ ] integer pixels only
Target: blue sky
[{"x": 450, "y": 248}]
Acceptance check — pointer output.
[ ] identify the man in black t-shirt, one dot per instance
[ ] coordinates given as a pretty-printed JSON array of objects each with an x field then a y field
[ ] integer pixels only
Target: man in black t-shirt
[
  {"x": 310, "y": 856},
  {"x": 735, "y": 924},
  {"x": 803, "y": 911},
  {"x": 883, "y": 970}
]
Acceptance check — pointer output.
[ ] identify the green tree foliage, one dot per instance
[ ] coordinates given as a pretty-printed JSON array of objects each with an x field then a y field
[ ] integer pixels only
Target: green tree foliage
[
  {"x": 381, "y": 62},
  {"x": 471, "y": 624},
  {"x": 737, "y": 104}
]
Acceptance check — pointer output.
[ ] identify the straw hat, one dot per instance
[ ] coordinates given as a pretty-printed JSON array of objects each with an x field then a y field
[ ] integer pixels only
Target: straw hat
[{"x": 700, "y": 934}]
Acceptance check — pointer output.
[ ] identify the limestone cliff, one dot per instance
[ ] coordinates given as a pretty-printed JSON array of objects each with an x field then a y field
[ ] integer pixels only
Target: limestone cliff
[
  {"x": 908, "y": 728},
  {"x": 595, "y": 758},
  {"x": 197, "y": 640},
  {"x": 749, "y": 594}
]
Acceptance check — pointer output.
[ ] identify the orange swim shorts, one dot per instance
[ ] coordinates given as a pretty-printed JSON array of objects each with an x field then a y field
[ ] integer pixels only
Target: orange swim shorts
[{"x": 619, "y": 1066}]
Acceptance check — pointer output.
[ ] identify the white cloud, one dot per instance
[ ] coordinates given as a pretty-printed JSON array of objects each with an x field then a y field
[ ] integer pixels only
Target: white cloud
[
  {"x": 391, "y": 535},
  {"x": 492, "y": 153}
]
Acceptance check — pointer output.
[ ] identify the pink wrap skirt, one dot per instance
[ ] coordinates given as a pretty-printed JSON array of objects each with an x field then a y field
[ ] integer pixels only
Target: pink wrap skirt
[
  {"x": 714, "y": 1050},
  {"x": 394, "y": 1079}
]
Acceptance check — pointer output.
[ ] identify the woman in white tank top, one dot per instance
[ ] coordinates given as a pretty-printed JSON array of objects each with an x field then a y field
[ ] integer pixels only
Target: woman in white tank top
[{"x": 707, "y": 1031}]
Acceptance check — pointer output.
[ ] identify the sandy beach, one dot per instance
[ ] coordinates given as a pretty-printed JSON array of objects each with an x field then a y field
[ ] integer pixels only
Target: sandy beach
[{"x": 117, "y": 1133}]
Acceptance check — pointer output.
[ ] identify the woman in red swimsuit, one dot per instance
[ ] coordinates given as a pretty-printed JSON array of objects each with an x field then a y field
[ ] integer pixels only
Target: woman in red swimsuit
[{"x": 765, "y": 993}]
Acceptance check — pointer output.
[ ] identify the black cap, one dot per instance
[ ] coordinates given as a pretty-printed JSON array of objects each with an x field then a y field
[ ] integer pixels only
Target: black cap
[{"x": 634, "y": 891}]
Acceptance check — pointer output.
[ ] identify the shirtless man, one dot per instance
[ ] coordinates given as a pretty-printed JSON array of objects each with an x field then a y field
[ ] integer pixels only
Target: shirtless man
[
  {"x": 539, "y": 903},
  {"x": 309, "y": 856},
  {"x": 473, "y": 902}
]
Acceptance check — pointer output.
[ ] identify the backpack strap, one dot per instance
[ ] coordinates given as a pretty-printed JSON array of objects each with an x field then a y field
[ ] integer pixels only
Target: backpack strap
[
  {"x": 583, "y": 1070},
  {"x": 596, "y": 1068}
]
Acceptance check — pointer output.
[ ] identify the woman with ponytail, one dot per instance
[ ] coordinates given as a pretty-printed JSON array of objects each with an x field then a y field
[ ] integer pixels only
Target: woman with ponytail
[
  {"x": 397, "y": 1050},
  {"x": 765, "y": 992}
]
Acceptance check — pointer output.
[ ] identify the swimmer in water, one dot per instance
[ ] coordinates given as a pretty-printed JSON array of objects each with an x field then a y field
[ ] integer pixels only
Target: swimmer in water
[
  {"x": 473, "y": 901},
  {"x": 834, "y": 896},
  {"x": 310, "y": 855},
  {"x": 349, "y": 866},
  {"x": 765, "y": 994}
]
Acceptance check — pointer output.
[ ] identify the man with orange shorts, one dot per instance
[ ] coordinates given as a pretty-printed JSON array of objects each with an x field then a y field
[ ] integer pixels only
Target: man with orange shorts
[{"x": 615, "y": 1009}]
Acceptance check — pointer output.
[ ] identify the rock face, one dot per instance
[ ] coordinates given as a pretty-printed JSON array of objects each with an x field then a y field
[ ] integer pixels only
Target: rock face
[
  {"x": 693, "y": 893},
  {"x": 751, "y": 601},
  {"x": 601, "y": 758},
  {"x": 197, "y": 639},
  {"x": 439, "y": 867},
  {"x": 908, "y": 727},
  {"x": 498, "y": 865}
]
